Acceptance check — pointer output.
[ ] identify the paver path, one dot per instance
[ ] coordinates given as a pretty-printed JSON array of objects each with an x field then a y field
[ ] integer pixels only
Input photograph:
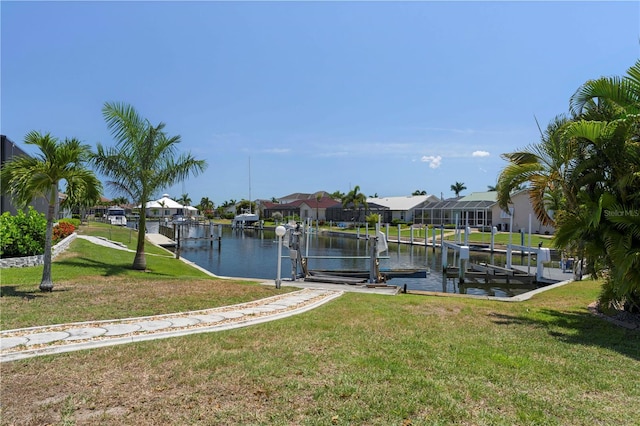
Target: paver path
[{"x": 44, "y": 340}]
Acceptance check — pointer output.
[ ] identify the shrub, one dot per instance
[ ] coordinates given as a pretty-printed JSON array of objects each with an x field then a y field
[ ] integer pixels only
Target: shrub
[
  {"x": 61, "y": 231},
  {"x": 372, "y": 219},
  {"x": 75, "y": 222},
  {"x": 22, "y": 234}
]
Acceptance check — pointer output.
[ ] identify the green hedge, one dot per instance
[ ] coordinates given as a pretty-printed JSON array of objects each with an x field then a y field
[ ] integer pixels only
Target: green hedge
[{"x": 22, "y": 234}]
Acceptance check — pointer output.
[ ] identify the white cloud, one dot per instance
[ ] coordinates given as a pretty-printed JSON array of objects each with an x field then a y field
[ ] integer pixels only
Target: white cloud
[
  {"x": 277, "y": 150},
  {"x": 434, "y": 161},
  {"x": 480, "y": 154}
]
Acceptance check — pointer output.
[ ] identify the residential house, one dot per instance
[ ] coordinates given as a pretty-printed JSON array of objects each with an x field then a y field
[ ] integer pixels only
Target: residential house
[
  {"x": 480, "y": 209},
  {"x": 521, "y": 208},
  {"x": 313, "y": 208},
  {"x": 165, "y": 207}
]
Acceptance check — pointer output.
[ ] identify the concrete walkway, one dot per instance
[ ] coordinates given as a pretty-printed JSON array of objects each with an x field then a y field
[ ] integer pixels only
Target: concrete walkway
[{"x": 35, "y": 341}]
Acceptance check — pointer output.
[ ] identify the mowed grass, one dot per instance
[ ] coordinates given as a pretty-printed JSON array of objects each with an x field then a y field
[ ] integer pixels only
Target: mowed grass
[
  {"x": 361, "y": 359},
  {"x": 93, "y": 282}
]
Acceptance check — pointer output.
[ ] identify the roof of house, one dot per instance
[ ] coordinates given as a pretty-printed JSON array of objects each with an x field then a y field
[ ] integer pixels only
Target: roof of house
[
  {"x": 323, "y": 203},
  {"x": 481, "y": 196},
  {"x": 282, "y": 206},
  {"x": 401, "y": 203},
  {"x": 475, "y": 200},
  {"x": 304, "y": 195},
  {"x": 164, "y": 203}
]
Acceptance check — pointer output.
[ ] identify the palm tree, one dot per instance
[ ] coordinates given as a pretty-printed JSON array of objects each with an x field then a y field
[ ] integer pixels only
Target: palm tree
[
  {"x": 184, "y": 200},
  {"x": 356, "y": 198},
  {"x": 337, "y": 195},
  {"x": 206, "y": 207},
  {"x": 419, "y": 192},
  {"x": 120, "y": 201},
  {"x": 608, "y": 175},
  {"x": 206, "y": 204},
  {"x": 25, "y": 178},
  {"x": 142, "y": 162},
  {"x": 318, "y": 198},
  {"x": 546, "y": 166},
  {"x": 457, "y": 188}
]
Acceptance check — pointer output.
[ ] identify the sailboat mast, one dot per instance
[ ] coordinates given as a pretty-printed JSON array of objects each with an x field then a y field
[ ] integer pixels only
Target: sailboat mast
[{"x": 249, "y": 184}]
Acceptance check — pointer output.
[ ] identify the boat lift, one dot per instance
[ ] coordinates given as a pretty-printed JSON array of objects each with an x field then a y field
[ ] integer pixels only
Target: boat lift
[{"x": 370, "y": 276}]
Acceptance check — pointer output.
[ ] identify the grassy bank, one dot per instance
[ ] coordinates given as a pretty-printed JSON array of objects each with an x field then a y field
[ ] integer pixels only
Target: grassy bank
[
  {"x": 93, "y": 282},
  {"x": 361, "y": 359}
]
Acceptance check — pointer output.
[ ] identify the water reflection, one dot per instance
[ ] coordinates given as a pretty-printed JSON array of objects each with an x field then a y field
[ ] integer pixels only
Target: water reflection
[{"x": 253, "y": 254}]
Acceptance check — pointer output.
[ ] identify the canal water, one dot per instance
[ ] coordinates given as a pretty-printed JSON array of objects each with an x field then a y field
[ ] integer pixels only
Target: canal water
[{"x": 253, "y": 253}]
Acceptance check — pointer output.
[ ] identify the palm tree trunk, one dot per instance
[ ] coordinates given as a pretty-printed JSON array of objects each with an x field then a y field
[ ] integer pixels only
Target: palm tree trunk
[
  {"x": 46, "y": 284},
  {"x": 140, "y": 261}
]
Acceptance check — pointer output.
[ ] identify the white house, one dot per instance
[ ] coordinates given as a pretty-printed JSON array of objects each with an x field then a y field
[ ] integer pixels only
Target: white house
[
  {"x": 164, "y": 207},
  {"x": 480, "y": 209}
]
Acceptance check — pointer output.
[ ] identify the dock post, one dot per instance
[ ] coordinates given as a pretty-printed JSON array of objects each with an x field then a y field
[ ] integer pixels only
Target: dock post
[
  {"x": 178, "y": 247},
  {"x": 467, "y": 231},
  {"x": 399, "y": 233},
  {"x": 433, "y": 238},
  {"x": 444, "y": 258},
  {"x": 387, "y": 231},
  {"x": 542, "y": 255},
  {"x": 464, "y": 257},
  {"x": 493, "y": 237},
  {"x": 411, "y": 230},
  {"x": 441, "y": 236},
  {"x": 373, "y": 276}
]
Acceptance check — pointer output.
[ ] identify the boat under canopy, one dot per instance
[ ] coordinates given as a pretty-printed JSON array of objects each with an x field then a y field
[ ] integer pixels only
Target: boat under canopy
[{"x": 245, "y": 219}]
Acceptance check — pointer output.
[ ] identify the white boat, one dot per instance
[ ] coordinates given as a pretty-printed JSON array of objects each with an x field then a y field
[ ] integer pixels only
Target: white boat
[
  {"x": 116, "y": 216},
  {"x": 245, "y": 219}
]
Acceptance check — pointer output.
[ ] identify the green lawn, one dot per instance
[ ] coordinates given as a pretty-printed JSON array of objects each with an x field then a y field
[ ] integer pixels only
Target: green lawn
[
  {"x": 92, "y": 282},
  {"x": 361, "y": 359}
]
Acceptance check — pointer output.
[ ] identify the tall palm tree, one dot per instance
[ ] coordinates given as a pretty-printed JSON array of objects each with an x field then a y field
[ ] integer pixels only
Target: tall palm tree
[
  {"x": 185, "y": 200},
  {"x": 206, "y": 204},
  {"x": 458, "y": 187},
  {"x": 119, "y": 201},
  {"x": 143, "y": 161},
  {"x": 545, "y": 166},
  {"x": 206, "y": 207},
  {"x": 356, "y": 198},
  {"x": 318, "y": 199},
  {"x": 26, "y": 178},
  {"x": 337, "y": 195}
]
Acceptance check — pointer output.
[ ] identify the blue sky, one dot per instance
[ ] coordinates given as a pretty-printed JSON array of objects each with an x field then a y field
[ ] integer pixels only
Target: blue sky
[{"x": 390, "y": 96}]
